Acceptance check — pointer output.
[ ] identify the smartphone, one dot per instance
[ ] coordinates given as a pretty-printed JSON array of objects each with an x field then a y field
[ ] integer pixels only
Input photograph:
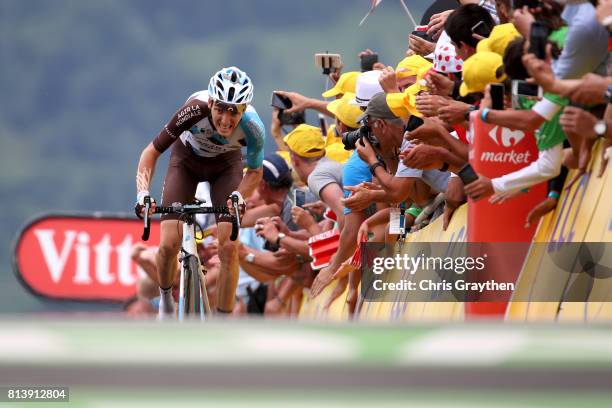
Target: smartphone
[
  {"x": 538, "y": 39},
  {"x": 328, "y": 62},
  {"x": 295, "y": 118},
  {"x": 368, "y": 61},
  {"x": 497, "y": 96},
  {"x": 280, "y": 102},
  {"x": 413, "y": 123},
  {"x": 467, "y": 174},
  {"x": 481, "y": 29},
  {"x": 524, "y": 88},
  {"x": 421, "y": 34},
  {"x": 323, "y": 124},
  {"x": 299, "y": 198}
]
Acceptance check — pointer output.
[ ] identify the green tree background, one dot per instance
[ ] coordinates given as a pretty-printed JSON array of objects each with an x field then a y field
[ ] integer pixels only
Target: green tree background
[{"x": 85, "y": 85}]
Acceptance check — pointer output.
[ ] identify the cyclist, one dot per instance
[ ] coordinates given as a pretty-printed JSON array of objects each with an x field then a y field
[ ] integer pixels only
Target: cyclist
[{"x": 206, "y": 135}]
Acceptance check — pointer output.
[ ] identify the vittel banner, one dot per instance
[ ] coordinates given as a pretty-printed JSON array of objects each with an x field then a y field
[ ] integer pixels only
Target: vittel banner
[{"x": 81, "y": 257}]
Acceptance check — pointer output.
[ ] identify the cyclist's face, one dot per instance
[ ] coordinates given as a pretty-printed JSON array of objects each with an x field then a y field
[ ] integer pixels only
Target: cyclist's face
[{"x": 225, "y": 117}]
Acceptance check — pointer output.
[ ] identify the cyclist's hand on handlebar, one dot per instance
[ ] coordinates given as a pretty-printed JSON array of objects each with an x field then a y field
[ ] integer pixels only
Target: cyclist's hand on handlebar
[
  {"x": 241, "y": 204},
  {"x": 140, "y": 205}
]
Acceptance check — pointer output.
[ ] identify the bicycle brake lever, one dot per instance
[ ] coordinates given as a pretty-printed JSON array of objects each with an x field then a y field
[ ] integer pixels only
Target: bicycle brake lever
[
  {"x": 147, "y": 221},
  {"x": 236, "y": 208}
]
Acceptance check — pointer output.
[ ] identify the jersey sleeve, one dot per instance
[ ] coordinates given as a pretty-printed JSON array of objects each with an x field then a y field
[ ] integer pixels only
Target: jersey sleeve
[
  {"x": 188, "y": 115},
  {"x": 255, "y": 135}
]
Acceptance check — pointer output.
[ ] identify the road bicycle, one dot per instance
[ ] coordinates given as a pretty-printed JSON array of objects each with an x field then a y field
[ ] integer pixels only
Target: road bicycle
[{"x": 193, "y": 299}]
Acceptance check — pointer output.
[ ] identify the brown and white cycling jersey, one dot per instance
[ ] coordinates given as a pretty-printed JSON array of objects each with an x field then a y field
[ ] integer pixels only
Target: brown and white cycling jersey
[{"x": 192, "y": 125}]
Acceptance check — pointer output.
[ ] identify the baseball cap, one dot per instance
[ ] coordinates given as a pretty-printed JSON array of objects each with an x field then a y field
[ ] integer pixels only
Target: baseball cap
[
  {"x": 400, "y": 105},
  {"x": 306, "y": 141},
  {"x": 498, "y": 40},
  {"x": 367, "y": 86},
  {"x": 479, "y": 70},
  {"x": 346, "y": 83},
  {"x": 378, "y": 108},
  {"x": 410, "y": 66},
  {"x": 275, "y": 169},
  {"x": 345, "y": 112},
  {"x": 337, "y": 152}
]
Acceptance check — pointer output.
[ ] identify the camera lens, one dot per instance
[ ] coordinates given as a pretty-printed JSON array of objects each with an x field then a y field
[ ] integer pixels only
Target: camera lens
[{"x": 349, "y": 139}]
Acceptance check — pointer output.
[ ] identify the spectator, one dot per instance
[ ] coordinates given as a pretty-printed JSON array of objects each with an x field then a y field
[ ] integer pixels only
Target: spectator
[
  {"x": 459, "y": 28},
  {"x": 323, "y": 176}
]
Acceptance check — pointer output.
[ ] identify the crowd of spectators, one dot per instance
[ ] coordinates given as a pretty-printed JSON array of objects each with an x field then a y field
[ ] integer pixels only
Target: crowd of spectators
[{"x": 399, "y": 138}]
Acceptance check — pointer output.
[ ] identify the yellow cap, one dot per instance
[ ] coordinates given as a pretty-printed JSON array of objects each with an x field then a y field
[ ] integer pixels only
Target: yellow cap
[
  {"x": 336, "y": 152},
  {"x": 498, "y": 41},
  {"x": 346, "y": 113},
  {"x": 399, "y": 104},
  {"x": 285, "y": 155},
  {"x": 306, "y": 141},
  {"x": 411, "y": 65},
  {"x": 346, "y": 83},
  {"x": 331, "y": 136},
  {"x": 480, "y": 70}
]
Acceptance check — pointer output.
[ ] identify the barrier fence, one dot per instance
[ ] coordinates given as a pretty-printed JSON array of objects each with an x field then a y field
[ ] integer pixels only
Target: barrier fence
[{"x": 583, "y": 214}]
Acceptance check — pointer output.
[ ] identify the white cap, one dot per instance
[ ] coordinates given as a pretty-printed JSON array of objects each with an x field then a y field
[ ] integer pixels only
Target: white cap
[{"x": 367, "y": 86}]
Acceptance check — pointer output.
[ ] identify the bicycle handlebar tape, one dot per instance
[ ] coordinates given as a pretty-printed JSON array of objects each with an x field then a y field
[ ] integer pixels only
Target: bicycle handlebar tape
[{"x": 147, "y": 221}]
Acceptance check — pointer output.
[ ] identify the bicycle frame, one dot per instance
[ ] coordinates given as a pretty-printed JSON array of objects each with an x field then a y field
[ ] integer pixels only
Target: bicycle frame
[
  {"x": 192, "y": 290},
  {"x": 188, "y": 250}
]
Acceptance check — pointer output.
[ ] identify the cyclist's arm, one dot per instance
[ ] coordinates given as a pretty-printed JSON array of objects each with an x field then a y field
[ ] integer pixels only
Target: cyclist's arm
[
  {"x": 250, "y": 181},
  {"x": 255, "y": 135},
  {"x": 188, "y": 115},
  {"x": 146, "y": 168}
]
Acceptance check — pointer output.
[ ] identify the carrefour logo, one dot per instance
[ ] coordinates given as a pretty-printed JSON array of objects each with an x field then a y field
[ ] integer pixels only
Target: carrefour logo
[{"x": 506, "y": 138}]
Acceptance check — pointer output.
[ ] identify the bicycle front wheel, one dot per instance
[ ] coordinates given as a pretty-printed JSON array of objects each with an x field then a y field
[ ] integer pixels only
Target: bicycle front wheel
[{"x": 193, "y": 303}]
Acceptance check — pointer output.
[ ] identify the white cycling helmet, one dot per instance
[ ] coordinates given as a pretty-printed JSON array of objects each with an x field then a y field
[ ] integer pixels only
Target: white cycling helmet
[{"x": 231, "y": 85}]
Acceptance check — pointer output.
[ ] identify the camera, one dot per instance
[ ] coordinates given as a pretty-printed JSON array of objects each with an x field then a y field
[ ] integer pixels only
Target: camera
[{"x": 349, "y": 139}]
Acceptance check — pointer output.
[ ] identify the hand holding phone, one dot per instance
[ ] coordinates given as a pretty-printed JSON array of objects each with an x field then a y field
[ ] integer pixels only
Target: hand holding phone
[
  {"x": 299, "y": 198},
  {"x": 497, "y": 96},
  {"x": 280, "y": 102},
  {"x": 538, "y": 38}
]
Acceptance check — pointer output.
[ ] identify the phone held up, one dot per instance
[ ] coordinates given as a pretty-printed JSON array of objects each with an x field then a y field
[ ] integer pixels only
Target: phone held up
[
  {"x": 299, "y": 198},
  {"x": 328, "y": 62},
  {"x": 526, "y": 90},
  {"x": 282, "y": 103},
  {"x": 538, "y": 39},
  {"x": 497, "y": 96}
]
